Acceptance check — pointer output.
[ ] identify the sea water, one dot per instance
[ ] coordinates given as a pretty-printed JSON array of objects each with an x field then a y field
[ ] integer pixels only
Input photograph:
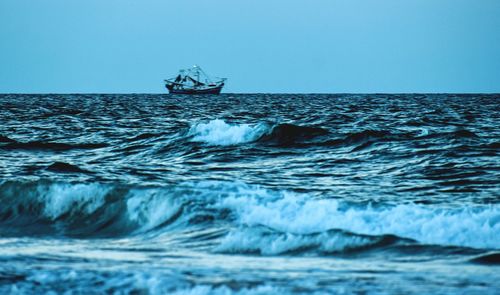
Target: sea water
[{"x": 250, "y": 194}]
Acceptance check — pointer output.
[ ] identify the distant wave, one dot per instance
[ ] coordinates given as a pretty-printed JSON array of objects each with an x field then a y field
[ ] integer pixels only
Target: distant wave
[
  {"x": 46, "y": 145},
  {"x": 457, "y": 134},
  {"x": 4, "y": 139},
  {"x": 145, "y": 135},
  {"x": 260, "y": 220},
  {"x": 65, "y": 167},
  {"x": 218, "y": 132},
  {"x": 286, "y": 134},
  {"x": 366, "y": 135}
]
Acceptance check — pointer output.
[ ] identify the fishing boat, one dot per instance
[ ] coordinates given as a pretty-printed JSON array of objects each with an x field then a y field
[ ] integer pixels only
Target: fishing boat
[{"x": 194, "y": 81}]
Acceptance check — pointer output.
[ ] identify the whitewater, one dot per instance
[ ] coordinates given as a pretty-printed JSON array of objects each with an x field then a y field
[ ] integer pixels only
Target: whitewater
[{"x": 249, "y": 194}]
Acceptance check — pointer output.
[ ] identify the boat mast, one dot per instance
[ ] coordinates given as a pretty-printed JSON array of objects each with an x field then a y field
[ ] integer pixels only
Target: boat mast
[{"x": 198, "y": 76}]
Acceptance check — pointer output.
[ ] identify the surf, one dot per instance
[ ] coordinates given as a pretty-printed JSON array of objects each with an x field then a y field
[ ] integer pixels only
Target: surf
[{"x": 273, "y": 219}]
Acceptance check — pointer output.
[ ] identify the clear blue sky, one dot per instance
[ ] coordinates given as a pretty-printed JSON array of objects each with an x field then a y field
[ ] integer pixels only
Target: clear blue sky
[{"x": 121, "y": 46}]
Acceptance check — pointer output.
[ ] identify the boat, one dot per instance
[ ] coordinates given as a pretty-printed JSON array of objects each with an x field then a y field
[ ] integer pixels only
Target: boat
[{"x": 194, "y": 81}]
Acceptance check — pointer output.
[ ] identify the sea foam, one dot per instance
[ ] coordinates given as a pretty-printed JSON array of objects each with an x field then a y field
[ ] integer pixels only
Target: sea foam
[
  {"x": 62, "y": 198},
  {"x": 267, "y": 242},
  {"x": 291, "y": 220},
  {"x": 218, "y": 132},
  {"x": 474, "y": 226}
]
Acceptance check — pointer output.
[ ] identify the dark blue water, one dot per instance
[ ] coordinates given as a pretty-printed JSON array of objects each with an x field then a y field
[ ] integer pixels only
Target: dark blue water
[{"x": 250, "y": 194}]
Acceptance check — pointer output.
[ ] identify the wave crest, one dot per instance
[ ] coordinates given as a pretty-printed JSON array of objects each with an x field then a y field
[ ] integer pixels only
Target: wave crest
[
  {"x": 218, "y": 132},
  {"x": 265, "y": 241},
  {"x": 286, "y": 134},
  {"x": 477, "y": 227},
  {"x": 86, "y": 210},
  {"x": 65, "y": 168},
  {"x": 256, "y": 219}
]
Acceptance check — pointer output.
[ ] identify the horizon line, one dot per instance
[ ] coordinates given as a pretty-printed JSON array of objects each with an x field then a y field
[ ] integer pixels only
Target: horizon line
[{"x": 237, "y": 93}]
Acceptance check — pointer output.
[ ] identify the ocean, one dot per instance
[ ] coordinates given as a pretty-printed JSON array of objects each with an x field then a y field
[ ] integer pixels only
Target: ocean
[{"x": 250, "y": 194}]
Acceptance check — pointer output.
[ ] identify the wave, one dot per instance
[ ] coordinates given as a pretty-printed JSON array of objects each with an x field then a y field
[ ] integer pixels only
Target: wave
[
  {"x": 264, "y": 241},
  {"x": 48, "y": 146},
  {"x": 366, "y": 135},
  {"x": 65, "y": 168},
  {"x": 84, "y": 210},
  {"x": 286, "y": 134},
  {"x": 463, "y": 133},
  {"x": 145, "y": 135},
  {"x": 474, "y": 226},
  {"x": 128, "y": 281},
  {"x": 218, "y": 132},
  {"x": 4, "y": 139},
  {"x": 487, "y": 259},
  {"x": 456, "y": 134},
  {"x": 224, "y": 290},
  {"x": 257, "y": 219}
]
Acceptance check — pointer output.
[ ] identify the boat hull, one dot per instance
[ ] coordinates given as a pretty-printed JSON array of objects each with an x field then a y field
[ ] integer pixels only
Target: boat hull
[{"x": 213, "y": 90}]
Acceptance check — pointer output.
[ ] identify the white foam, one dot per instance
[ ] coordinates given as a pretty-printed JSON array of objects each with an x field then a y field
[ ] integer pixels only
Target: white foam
[
  {"x": 218, "y": 132},
  {"x": 143, "y": 281},
  {"x": 150, "y": 207},
  {"x": 146, "y": 207},
  {"x": 154, "y": 283},
  {"x": 292, "y": 215},
  {"x": 258, "y": 240},
  {"x": 477, "y": 226},
  {"x": 63, "y": 198}
]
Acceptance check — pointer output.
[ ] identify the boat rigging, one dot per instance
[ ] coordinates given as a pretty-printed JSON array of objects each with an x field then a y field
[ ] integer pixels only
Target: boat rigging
[{"x": 194, "y": 81}]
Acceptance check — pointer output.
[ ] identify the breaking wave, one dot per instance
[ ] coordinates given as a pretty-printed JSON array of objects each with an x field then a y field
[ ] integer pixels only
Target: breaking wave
[
  {"x": 477, "y": 226},
  {"x": 257, "y": 220},
  {"x": 264, "y": 241},
  {"x": 218, "y": 132}
]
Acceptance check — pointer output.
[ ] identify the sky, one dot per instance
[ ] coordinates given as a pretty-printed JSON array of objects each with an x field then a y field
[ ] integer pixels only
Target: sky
[{"x": 277, "y": 46}]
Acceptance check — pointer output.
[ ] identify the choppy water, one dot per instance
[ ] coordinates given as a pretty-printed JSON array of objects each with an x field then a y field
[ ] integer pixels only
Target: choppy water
[{"x": 250, "y": 194}]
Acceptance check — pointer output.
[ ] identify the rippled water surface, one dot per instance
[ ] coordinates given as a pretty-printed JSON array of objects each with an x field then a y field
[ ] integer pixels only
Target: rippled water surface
[{"x": 250, "y": 194}]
